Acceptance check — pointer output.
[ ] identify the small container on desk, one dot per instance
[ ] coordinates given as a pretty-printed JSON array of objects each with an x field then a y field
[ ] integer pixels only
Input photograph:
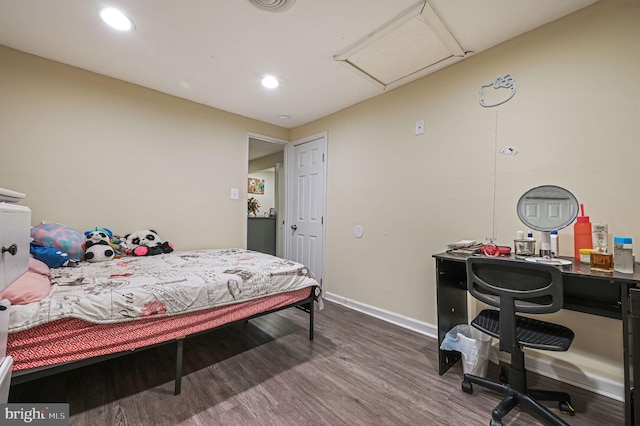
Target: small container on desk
[
  {"x": 601, "y": 237},
  {"x": 524, "y": 248},
  {"x": 585, "y": 255},
  {"x": 601, "y": 261},
  {"x": 623, "y": 255}
]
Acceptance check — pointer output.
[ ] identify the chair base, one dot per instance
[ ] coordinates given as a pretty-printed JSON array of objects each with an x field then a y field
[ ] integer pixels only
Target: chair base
[{"x": 529, "y": 399}]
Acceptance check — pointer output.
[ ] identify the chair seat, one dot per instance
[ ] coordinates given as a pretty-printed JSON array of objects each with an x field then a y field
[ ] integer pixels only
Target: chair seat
[{"x": 530, "y": 332}]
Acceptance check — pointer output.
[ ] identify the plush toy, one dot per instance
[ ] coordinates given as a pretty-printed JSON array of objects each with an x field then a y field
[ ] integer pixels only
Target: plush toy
[
  {"x": 146, "y": 243},
  {"x": 97, "y": 236},
  {"x": 99, "y": 253},
  {"x": 51, "y": 256},
  {"x": 119, "y": 245},
  {"x": 97, "y": 248}
]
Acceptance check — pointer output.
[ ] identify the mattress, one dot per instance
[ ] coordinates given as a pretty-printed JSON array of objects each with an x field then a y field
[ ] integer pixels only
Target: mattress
[{"x": 138, "y": 288}]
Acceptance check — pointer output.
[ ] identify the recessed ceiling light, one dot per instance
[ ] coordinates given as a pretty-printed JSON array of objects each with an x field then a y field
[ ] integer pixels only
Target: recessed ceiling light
[
  {"x": 270, "y": 82},
  {"x": 116, "y": 19}
]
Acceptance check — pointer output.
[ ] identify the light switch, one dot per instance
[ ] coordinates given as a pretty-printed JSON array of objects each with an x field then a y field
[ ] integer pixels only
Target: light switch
[
  {"x": 419, "y": 127},
  {"x": 235, "y": 193}
]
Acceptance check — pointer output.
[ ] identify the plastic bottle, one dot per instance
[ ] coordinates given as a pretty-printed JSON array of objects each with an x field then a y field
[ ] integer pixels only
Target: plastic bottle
[
  {"x": 554, "y": 243},
  {"x": 581, "y": 234}
]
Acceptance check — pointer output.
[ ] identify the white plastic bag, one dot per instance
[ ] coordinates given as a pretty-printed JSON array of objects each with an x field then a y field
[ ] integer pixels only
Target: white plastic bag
[{"x": 474, "y": 346}]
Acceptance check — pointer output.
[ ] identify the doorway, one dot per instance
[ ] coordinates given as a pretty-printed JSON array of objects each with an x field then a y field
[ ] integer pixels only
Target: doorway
[
  {"x": 299, "y": 170},
  {"x": 266, "y": 184}
]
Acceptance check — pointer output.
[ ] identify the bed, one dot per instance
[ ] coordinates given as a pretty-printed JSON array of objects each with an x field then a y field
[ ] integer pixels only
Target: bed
[{"x": 97, "y": 311}]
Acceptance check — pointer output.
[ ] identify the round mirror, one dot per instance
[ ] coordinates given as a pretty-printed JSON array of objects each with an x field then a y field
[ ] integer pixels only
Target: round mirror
[{"x": 547, "y": 208}]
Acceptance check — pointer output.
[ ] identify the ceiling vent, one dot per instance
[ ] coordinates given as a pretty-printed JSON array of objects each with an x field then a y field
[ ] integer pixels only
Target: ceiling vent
[
  {"x": 409, "y": 46},
  {"x": 273, "y": 5}
]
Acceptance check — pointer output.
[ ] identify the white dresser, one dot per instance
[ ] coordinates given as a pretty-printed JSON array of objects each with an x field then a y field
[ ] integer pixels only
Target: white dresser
[{"x": 15, "y": 225}]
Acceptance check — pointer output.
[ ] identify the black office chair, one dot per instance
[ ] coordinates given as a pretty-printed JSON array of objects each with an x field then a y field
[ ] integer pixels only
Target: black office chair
[{"x": 518, "y": 286}]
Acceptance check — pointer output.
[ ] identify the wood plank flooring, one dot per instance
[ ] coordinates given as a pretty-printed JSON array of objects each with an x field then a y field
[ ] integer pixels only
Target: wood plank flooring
[{"x": 358, "y": 371}]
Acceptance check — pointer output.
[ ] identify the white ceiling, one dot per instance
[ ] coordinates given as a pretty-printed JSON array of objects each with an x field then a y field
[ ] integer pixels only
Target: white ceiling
[{"x": 215, "y": 51}]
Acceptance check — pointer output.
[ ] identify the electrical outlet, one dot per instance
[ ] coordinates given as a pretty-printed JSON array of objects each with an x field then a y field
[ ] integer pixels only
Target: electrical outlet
[{"x": 419, "y": 127}]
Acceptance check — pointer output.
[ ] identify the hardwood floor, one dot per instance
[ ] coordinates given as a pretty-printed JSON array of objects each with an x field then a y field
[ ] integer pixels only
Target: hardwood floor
[{"x": 357, "y": 371}]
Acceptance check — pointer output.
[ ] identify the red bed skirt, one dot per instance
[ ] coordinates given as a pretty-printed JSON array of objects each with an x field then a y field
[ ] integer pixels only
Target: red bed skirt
[{"x": 71, "y": 339}]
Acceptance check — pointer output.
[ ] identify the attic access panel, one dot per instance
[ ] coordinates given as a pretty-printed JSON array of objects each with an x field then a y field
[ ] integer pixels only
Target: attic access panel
[{"x": 409, "y": 46}]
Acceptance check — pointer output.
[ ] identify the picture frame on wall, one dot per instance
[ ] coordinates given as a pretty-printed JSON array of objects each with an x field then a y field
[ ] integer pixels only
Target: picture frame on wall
[{"x": 256, "y": 186}]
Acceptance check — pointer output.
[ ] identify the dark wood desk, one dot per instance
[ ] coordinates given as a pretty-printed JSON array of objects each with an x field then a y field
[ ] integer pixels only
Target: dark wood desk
[{"x": 611, "y": 295}]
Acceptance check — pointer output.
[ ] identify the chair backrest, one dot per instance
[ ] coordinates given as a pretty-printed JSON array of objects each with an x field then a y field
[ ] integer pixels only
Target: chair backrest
[{"x": 515, "y": 286}]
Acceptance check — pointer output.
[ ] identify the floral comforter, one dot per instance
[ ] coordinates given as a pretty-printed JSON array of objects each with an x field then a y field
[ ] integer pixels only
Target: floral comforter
[{"x": 133, "y": 288}]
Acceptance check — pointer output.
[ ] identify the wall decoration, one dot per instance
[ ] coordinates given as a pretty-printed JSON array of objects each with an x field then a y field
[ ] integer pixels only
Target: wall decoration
[
  {"x": 508, "y": 150},
  {"x": 256, "y": 186},
  {"x": 507, "y": 82}
]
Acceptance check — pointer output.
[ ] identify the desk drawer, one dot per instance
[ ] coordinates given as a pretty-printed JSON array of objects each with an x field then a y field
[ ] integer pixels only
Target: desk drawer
[{"x": 15, "y": 229}]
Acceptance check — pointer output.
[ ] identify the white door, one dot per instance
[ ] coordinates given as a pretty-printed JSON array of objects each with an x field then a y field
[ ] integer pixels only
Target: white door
[{"x": 305, "y": 160}]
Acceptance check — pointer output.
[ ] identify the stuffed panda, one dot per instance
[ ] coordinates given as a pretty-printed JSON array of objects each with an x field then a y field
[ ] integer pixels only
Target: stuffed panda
[
  {"x": 99, "y": 253},
  {"x": 147, "y": 243},
  {"x": 97, "y": 246}
]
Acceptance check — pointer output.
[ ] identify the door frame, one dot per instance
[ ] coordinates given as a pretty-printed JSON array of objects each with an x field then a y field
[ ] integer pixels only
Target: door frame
[
  {"x": 280, "y": 235},
  {"x": 289, "y": 188}
]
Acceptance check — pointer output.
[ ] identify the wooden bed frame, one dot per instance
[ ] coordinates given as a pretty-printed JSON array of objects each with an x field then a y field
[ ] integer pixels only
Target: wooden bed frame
[{"x": 22, "y": 376}]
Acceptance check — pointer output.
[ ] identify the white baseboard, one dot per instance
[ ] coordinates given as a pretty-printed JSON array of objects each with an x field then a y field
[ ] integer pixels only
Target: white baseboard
[
  {"x": 577, "y": 378},
  {"x": 393, "y": 318},
  {"x": 598, "y": 385}
]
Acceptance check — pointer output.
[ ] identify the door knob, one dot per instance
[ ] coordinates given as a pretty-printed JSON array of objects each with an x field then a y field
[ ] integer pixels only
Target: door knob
[
  {"x": 294, "y": 227},
  {"x": 12, "y": 249}
]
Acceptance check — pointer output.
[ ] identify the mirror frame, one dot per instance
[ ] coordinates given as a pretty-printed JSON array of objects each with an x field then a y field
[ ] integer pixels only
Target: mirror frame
[{"x": 565, "y": 193}]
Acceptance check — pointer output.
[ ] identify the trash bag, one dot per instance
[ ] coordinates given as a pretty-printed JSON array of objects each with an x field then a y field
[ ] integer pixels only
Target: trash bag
[{"x": 474, "y": 346}]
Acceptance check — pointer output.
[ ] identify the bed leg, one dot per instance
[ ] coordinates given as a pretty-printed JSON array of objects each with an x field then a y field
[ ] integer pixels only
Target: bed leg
[
  {"x": 179, "y": 350},
  {"x": 311, "y": 313}
]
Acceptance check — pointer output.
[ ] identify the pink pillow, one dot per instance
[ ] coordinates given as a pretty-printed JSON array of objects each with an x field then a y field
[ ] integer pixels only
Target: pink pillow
[
  {"x": 38, "y": 266},
  {"x": 29, "y": 287}
]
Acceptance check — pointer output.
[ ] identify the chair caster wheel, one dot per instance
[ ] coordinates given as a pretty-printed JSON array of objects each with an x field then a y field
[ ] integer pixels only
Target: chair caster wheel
[
  {"x": 494, "y": 422},
  {"x": 566, "y": 408},
  {"x": 467, "y": 386}
]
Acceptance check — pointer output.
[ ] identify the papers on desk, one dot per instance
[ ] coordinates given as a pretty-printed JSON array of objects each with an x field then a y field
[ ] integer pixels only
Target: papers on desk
[
  {"x": 461, "y": 244},
  {"x": 464, "y": 247}
]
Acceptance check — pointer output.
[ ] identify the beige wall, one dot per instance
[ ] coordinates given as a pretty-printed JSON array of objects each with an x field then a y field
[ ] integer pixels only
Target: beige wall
[
  {"x": 93, "y": 151},
  {"x": 575, "y": 121},
  {"x": 266, "y": 162}
]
